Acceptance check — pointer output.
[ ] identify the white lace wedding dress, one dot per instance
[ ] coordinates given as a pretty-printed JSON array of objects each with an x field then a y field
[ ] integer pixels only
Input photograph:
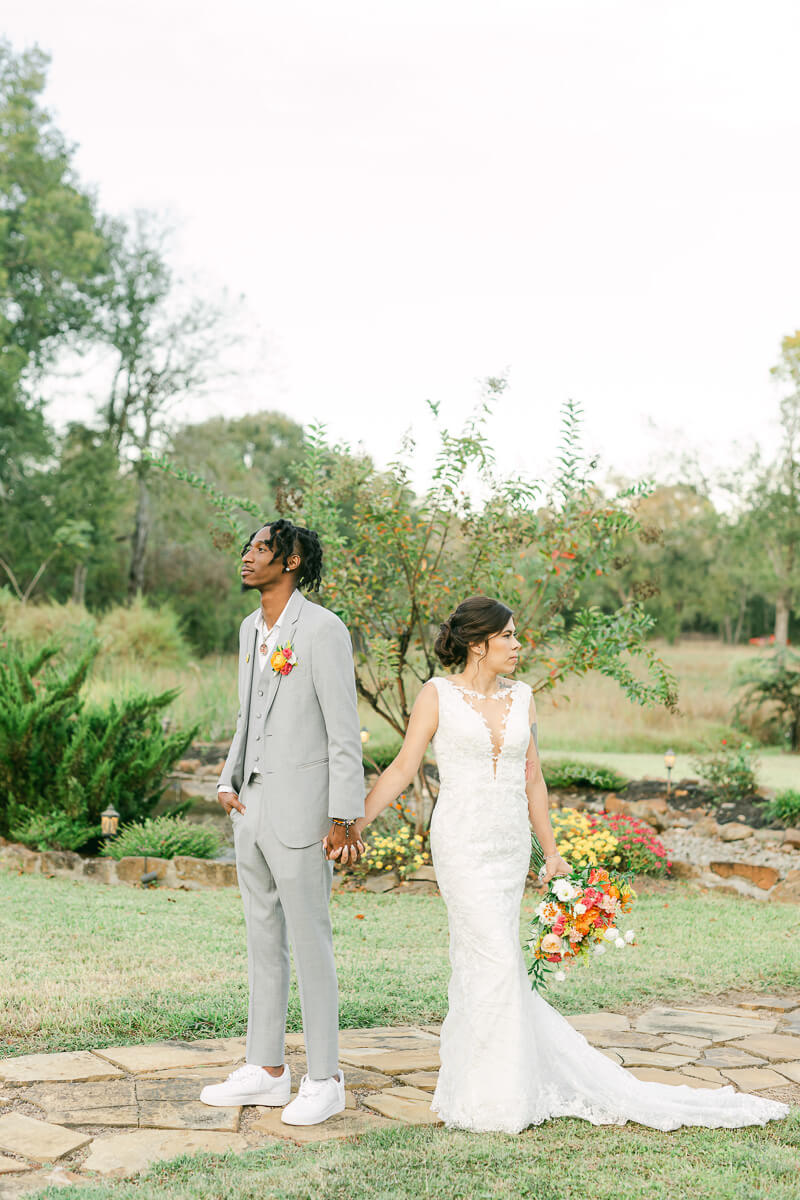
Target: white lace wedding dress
[{"x": 510, "y": 1060}]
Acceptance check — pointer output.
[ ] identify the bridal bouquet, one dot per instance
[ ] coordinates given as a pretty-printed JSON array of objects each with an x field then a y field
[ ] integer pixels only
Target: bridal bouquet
[{"x": 578, "y": 916}]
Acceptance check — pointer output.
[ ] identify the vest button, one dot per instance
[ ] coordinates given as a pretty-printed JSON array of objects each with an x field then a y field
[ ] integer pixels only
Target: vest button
[{"x": 261, "y": 693}]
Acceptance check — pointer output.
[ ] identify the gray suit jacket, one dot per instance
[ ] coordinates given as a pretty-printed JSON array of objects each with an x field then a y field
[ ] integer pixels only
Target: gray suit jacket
[{"x": 306, "y": 739}]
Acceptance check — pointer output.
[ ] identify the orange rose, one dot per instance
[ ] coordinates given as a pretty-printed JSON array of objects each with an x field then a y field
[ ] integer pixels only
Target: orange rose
[{"x": 277, "y": 662}]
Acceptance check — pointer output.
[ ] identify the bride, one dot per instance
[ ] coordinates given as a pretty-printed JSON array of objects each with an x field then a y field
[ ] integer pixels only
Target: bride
[{"x": 508, "y": 1059}]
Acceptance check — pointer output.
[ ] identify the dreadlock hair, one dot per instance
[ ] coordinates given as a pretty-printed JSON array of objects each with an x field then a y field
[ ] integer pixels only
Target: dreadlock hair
[{"x": 287, "y": 539}]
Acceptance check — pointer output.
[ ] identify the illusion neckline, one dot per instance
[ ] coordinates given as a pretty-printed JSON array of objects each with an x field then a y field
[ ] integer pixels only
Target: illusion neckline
[{"x": 502, "y": 692}]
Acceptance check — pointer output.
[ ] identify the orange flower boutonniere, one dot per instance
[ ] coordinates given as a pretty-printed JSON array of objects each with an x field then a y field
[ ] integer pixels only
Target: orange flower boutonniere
[{"x": 284, "y": 659}]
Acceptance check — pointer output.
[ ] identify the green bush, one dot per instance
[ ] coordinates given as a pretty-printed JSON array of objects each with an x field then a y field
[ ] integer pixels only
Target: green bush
[
  {"x": 165, "y": 837},
  {"x": 785, "y": 807},
  {"x": 730, "y": 772},
  {"x": 62, "y": 762},
  {"x": 566, "y": 773},
  {"x": 144, "y": 634}
]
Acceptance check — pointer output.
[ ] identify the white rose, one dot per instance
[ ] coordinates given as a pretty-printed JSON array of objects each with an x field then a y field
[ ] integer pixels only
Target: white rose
[
  {"x": 564, "y": 889},
  {"x": 599, "y": 949},
  {"x": 610, "y": 934},
  {"x": 580, "y": 908},
  {"x": 559, "y": 975},
  {"x": 619, "y": 942},
  {"x": 629, "y": 935}
]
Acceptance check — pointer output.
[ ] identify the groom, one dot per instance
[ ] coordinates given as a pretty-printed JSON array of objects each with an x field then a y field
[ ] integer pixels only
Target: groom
[{"x": 293, "y": 783}]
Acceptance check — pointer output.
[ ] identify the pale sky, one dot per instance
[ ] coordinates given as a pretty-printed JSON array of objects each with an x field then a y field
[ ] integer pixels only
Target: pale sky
[{"x": 600, "y": 196}]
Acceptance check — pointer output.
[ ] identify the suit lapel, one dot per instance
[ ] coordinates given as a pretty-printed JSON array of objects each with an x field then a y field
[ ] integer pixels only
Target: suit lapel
[
  {"x": 251, "y": 652},
  {"x": 286, "y": 634}
]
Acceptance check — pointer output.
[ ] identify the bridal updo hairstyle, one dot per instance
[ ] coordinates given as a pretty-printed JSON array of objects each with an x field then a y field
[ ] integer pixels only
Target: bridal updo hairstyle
[{"x": 474, "y": 621}]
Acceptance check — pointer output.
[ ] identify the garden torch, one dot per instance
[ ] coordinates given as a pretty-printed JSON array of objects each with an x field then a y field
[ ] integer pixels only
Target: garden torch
[{"x": 669, "y": 763}]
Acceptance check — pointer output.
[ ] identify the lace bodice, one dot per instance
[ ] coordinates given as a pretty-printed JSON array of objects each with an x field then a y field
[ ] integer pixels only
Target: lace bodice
[
  {"x": 489, "y": 746},
  {"x": 509, "y": 1059}
]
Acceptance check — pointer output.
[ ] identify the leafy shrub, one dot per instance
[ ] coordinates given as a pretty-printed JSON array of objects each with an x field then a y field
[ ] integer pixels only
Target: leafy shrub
[
  {"x": 639, "y": 848},
  {"x": 730, "y": 772},
  {"x": 144, "y": 634},
  {"x": 566, "y": 773},
  {"x": 771, "y": 698},
  {"x": 785, "y": 807},
  {"x": 580, "y": 842},
  {"x": 62, "y": 762},
  {"x": 165, "y": 837}
]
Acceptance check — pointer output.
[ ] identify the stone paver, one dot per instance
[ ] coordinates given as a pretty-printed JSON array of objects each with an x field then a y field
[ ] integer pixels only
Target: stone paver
[
  {"x": 775, "y": 1046},
  {"x": 38, "y": 1140},
  {"x": 80, "y": 1065},
  {"x": 166, "y": 1114},
  {"x": 599, "y": 1022},
  {"x": 425, "y": 1080},
  {"x": 161, "y": 1056},
  {"x": 716, "y": 1026},
  {"x": 409, "y": 1109},
  {"x": 754, "y": 1079},
  {"x": 708, "y": 1073},
  {"x": 685, "y": 1039},
  {"x": 729, "y": 1056},
  {"x": 128, "y": 1153},
  {"x": 402, "y": 1038},
  {"x": 10, "y": 1166},
  {"x": 350, "y": 1123},
  {"x": 653, "y": 1058},
  {"x": 152, "y": 1091},
  {"x": 614, "y": 1055},
  {"x": 112, "y": 1104},
  {"x": 393, "y": 1062},
  {"x": 621, "y": 1037},
  {"x": 658, "y": 1075}
]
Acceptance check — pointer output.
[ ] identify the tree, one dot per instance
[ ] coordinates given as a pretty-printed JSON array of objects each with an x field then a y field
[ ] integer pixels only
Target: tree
[
  {"x": 164, "y": 348},
  {"x": 252, "y": 455},
  {"x": 53, "y": 258},
  {"x": 776, "y": 499},
  {"x": 398, "y": 564}
]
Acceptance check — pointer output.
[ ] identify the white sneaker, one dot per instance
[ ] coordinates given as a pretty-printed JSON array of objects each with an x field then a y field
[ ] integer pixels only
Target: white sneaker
[
  {"x": 249, "y": 1085},
  {"x": 317, "y": 1100}
]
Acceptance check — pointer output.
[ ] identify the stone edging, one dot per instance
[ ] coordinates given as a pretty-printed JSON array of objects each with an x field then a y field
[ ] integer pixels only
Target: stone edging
[{"x": 180, "y": 872}]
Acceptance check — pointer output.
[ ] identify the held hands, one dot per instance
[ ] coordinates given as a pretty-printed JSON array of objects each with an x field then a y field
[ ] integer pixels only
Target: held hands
[
  {"x": 554, "y": 865},
  {"x": 230, "y": 801},
  {"x": 347, "y": 848}
]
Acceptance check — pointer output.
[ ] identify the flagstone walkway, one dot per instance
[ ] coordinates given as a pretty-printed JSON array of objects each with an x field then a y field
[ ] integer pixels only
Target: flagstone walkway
[{"x": 65, "y": 1118}]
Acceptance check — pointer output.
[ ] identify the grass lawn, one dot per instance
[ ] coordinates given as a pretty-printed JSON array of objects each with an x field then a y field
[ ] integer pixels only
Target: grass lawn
[
  {"x": 84, "y": 965},
  {"x": 559, "y": 1160}
]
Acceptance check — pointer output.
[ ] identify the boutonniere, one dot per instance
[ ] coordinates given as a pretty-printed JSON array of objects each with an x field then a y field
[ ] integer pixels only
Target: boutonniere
[{"x": 284, "y": 659}]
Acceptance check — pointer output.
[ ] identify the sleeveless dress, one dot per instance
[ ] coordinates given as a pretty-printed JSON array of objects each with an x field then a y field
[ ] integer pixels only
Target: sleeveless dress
[{"x": 508, "y": 1058}]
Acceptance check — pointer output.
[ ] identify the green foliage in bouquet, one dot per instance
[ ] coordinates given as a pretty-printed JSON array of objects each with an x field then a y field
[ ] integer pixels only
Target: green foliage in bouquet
[
  {"x": 165, "y": 837},
  {"x": 785, "y": 807},
  {"x": 62, "y": 762},
  {"x": 568, "y": 773},
  {"x": 730, "y": 772}
]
